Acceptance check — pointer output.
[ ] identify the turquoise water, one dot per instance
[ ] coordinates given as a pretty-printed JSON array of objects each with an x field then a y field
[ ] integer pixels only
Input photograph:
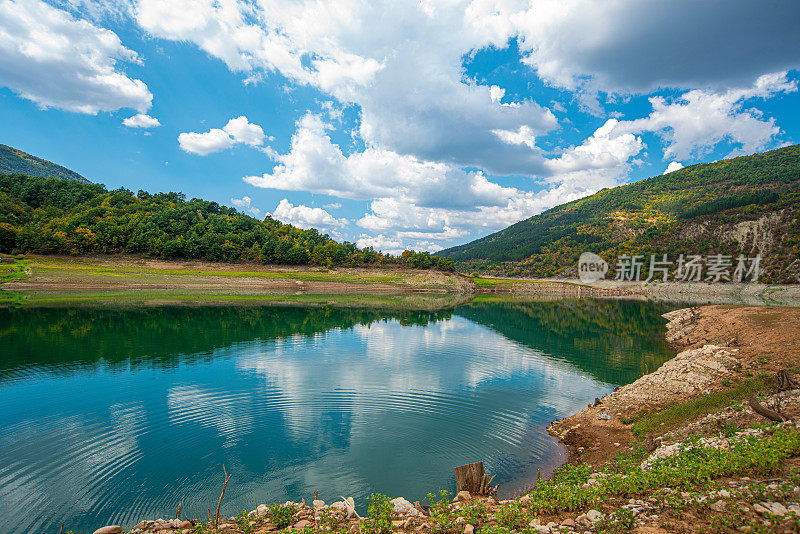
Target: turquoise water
[{"x": 115, "y": 415}]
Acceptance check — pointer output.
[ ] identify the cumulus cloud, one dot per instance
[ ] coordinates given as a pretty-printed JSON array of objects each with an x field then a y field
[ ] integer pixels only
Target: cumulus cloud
[
  {"x": 418, "y": 203},
  {"x": 634, "y": 46},
  {"x": 141, "y": 120},
  {"x": 406, "y": 79},
  {"x": 246, "y": 204},
  {"x": 673, "y": 166},
  {"x": 696, "y": 122},
  {"x": 307, "y": 217},
  {"x": 238, "y": 130},
  {"x": 49, "y": 57}
]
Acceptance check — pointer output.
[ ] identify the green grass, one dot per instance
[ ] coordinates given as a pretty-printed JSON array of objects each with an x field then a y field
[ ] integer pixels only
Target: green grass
[
  {"x": 673, "y": 414},
  {"x": 692, "y": 469},
  {"x": 13, "y": 271}
]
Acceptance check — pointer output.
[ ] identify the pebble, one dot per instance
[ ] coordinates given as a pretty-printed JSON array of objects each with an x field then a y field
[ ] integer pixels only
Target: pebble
[{"x": 109, "y": 529}]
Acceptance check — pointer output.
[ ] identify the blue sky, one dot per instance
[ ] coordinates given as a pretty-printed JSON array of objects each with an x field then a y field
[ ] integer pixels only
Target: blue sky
[{"x": 420, "y": 124}]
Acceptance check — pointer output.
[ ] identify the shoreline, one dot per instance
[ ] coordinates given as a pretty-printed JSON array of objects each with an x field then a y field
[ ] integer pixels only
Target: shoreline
[{"x": 49, "y": 280}]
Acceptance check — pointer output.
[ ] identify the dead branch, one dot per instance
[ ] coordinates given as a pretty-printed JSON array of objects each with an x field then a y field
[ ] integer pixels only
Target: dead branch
[
  {"x": 763, "y": 411},
  {"x": 224, "y": 485},
  {"x": 178, "y": 511},
  {"x": 784, "y": 382}
]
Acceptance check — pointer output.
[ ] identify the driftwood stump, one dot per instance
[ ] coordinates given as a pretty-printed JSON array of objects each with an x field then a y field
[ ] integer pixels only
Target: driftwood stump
[{"x": 473, "y": 478}]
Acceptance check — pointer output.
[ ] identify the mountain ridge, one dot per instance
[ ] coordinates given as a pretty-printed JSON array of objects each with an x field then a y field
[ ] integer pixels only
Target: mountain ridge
[
  {"x": 747, "y": 204},
  {"x": 15, "y": 161}
]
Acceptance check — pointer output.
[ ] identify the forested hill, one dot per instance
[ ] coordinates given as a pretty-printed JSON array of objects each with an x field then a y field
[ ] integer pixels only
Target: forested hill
[
  {"x": 747, "y": 205},
  {"x": 56, "y": 216},
  {"x": 16, "y": 161}
]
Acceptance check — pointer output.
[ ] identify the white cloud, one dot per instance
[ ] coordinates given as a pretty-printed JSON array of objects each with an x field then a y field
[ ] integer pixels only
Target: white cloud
[
  {"x": 246, "y": 204},
  {"x": 205, "y": 143},
  {"x": 496, "y": 93},
  {"x": 238, "y": 130},
  {"x": 604, "y": 149},
  {"x": 51, "y": 58},
  {"x": 307, "y": 217},
  {"x": 418, "y": 203},
  {"x": 523, "y": 136},
  {"x": 673, "y": 166},
  {"x": 242, "y": 131},
  {"x": 406, "y": 79},
  {"x": 388, "y": 245},
  {"x": 141, "y": 120},
  {"x": 699, "y": 120}
]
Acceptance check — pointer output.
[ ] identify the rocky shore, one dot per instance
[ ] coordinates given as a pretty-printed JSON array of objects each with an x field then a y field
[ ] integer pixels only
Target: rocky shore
[{"x": 679, "y": 450}]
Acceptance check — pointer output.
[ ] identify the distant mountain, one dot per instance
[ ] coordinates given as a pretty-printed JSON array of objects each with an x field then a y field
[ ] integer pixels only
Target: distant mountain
[
  {"x": 16, "y": 161},
  {"x": 744, "y": 205}
]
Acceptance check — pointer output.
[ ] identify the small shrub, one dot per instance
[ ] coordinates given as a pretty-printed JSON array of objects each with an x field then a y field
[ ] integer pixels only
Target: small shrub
[{"x": 379, "y": 511}]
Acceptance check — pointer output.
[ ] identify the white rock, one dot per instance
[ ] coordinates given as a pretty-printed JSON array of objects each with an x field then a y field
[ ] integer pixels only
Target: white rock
[
  {"x": 318, "y": 503},
  {"x": 594, "y": 516},
  {"x": 401, "y": 505},
  {"x": 525, "y": 499},
  {"x": 778, "y": 509},
  {"x": 761, "y": 509},
  {"x": 339, "y": 506},
  {"x": 109, "y": 529},
  {"x": 469, "y": 529}
]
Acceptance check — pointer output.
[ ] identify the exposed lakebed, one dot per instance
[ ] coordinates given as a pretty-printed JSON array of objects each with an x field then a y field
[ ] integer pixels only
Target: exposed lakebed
[{"x": 112, "y": 415}]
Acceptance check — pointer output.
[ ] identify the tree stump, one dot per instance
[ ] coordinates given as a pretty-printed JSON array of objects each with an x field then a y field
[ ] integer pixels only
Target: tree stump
[{"x": 473, "y": 478}]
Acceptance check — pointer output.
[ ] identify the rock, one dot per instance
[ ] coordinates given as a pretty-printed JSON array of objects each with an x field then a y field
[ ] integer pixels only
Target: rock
[
  {"x": 469, "y": 529},
  {"x": 459, "y": 521},
  {"x": 109, "y": 529},
  {"x": 300, "y": 525},
  {"x": 397, "y": 524},
  {"x": 413, "y": 512},
  {"x": 144, "y": 525},
  {"x": 761, "y": 509},
  {"x": 408, "y": 523},
  {"x": 185, "y": 524},
  {"x": 594, "y": 516},
  {"x": 318, "y": 503},
  {"x": 604, "y": 417},
  {"x": 718, "y": 506},
  {"x": 223, "y": 526},
  {"x": 463, "y": 496},
  {"x": 725, "y": 494},
  {"x": 401, "y": 506},
  {"x": 569, "y": 523},
  {"x": 423, "y": 528},
  {"x": 339, "y": 506},
  {"x": 794, "y": 509},
  {"x": 778, "y": 509},
  {"x": 525, "y": 499}
]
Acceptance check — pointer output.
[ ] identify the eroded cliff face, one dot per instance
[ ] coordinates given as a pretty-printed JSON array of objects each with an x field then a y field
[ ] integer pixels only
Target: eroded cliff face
[{"x": 758, "y": 236}]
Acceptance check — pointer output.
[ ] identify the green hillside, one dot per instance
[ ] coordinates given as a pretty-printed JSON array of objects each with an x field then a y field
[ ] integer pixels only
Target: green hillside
[
  {"x": 744, "y": 205},
  {"x": 16, "y": 161},
  {"x": 55, "y": 216}
]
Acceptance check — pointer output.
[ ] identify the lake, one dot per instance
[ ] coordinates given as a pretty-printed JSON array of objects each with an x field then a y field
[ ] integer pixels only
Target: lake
[{"x": 113, "y": 415}]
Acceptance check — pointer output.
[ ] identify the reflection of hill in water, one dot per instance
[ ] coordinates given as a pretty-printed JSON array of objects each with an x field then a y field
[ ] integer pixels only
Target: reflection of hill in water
[
  {"x": 162, "y": 337},
  {"x": 615, "y": 341}
]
